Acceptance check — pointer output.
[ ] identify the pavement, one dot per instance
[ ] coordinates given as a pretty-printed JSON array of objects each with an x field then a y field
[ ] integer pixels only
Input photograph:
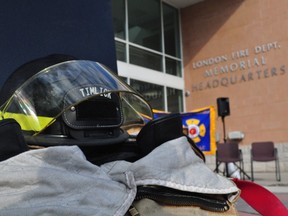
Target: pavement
[{"x": 267, "y": 180}]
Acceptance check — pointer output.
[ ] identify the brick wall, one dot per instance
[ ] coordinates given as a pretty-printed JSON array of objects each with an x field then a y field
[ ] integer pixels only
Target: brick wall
[{"x": 238, "y": 49}]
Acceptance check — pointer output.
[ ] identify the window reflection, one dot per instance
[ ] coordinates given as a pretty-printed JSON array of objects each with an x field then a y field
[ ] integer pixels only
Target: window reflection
[
  {"x": 144, "y": 23},
  {"x": 118, "y": 14},
  {"x": 153, "y": 93},
  {"x": 121, "y": 51},
  {"x": 175, "y": 100},
  {"x": 171, "y": 31},
  {"x": 173, "y": 67},
  {"x": 145, "y": 59}
]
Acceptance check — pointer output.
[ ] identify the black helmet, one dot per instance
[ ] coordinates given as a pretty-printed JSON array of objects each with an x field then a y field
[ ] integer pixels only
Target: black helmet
[{"x": 59, "y": 100}]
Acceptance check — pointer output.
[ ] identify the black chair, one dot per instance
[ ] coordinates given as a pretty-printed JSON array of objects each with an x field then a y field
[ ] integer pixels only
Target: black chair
[
  {"x": 229, "y": 152},
  {"x": 265, "y": 152}
]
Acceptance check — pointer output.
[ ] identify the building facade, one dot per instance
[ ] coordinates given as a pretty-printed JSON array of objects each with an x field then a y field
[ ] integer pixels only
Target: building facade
[
  {"x": 240, "y": 53},
  {"x": 233, "y": 49}
]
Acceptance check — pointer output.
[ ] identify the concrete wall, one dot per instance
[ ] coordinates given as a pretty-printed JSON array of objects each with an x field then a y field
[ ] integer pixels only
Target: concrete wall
[{"x": 238, "y": 49}]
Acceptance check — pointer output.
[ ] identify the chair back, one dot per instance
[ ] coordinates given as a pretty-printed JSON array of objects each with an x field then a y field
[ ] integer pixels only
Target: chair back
[
  {"x": 263, "y": 151},
  {"x": 228, "y": 152}
]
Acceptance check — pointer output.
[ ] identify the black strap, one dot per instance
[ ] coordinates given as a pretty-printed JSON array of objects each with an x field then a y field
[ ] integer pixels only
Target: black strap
[{"x": 12, "y": 140}]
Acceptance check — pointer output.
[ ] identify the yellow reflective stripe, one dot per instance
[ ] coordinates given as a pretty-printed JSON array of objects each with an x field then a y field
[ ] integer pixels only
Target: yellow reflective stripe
[
  {"x": 159, "y": 111},
  {"x": 29, "y": 122}
]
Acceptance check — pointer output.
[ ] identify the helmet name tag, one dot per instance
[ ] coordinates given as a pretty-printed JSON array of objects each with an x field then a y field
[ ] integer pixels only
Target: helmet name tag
[{"x": 94, "y": 90}]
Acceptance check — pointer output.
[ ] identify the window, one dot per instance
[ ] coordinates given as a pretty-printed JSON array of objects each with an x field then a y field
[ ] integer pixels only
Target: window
[
  {"x": 121, "y": 51},
  {"x": 175, "y": 100},
  {"x": 118, "y": 13},
  {"x": 145, "y": 58},
  {"x": 171, "y": 31},
  {"x": 144, "y": 23},
  {"x": 144, "y": 30},
  {"x": 147, "y": 34},
  {"x": 173, "y": 67},
  {"x": 153, "y": 94}
]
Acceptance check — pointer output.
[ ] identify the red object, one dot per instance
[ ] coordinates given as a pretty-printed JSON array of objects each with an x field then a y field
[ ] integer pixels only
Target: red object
[{"x": 261, "y": 199}]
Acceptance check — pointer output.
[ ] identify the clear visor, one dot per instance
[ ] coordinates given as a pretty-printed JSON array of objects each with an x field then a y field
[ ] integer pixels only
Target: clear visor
[{"x": 52, "y": 91}]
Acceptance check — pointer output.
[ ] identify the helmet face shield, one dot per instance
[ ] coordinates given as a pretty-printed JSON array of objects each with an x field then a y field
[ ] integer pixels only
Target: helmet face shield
[{"x": 85, "y": 93}]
